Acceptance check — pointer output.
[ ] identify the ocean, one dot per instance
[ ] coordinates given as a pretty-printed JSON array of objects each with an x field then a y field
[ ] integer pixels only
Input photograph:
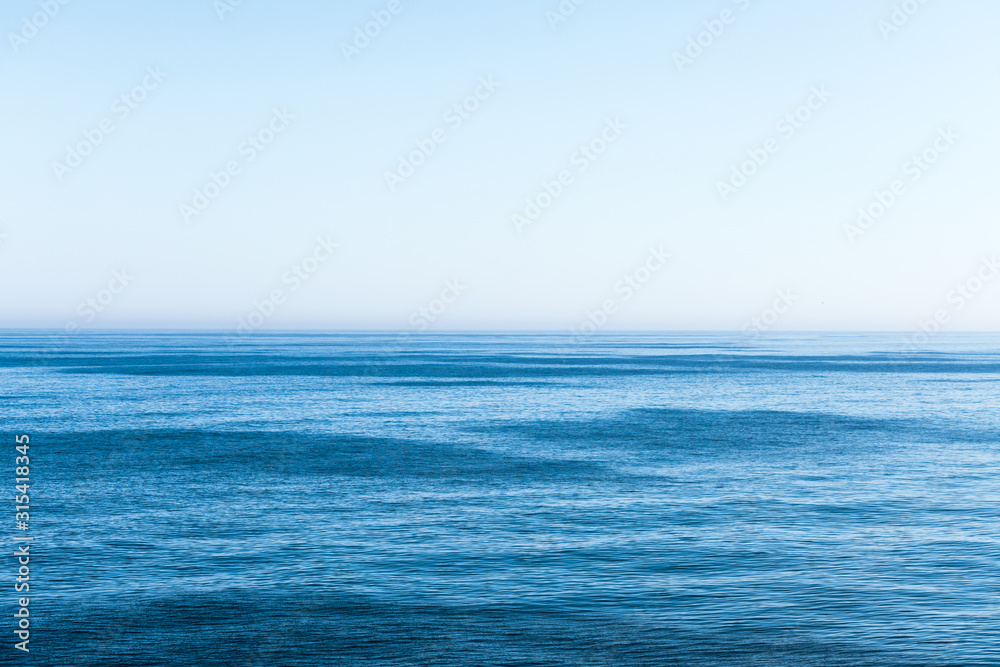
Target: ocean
[{"x": 506, "y": 499}]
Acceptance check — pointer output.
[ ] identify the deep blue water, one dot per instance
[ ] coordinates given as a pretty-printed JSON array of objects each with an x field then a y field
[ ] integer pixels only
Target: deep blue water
[{"x": 696, "y": 499}]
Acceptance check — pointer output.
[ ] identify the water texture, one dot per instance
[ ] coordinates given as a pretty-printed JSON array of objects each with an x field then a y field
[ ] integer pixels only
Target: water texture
[{"x": 507, "y": 499}]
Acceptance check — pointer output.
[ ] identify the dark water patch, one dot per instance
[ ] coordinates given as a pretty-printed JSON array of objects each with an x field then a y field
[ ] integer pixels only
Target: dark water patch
[
  {"x": 714, "y": 432},
  {"x": 196, "y": 454},
  {"x": 461, "y": 383},
  {"x": 275, "y": 628}
]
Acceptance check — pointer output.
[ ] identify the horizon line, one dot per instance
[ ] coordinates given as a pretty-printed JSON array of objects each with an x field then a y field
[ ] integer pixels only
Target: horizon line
[{"x": 755, "y": 334}]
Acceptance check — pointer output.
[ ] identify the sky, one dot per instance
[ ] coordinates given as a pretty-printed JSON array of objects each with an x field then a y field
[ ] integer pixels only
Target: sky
[{"x": 755, "y": 165}]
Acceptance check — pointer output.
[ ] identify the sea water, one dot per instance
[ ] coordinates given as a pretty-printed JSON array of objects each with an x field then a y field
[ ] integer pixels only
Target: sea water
[{"x": 506, "y": 499}]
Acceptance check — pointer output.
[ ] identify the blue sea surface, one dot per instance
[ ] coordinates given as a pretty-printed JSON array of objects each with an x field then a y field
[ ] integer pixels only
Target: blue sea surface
[{"x": 507, "y": 499}]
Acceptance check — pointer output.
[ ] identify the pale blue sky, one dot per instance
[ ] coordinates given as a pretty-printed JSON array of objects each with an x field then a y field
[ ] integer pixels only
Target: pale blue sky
[{"x": 655, "y": 185}]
